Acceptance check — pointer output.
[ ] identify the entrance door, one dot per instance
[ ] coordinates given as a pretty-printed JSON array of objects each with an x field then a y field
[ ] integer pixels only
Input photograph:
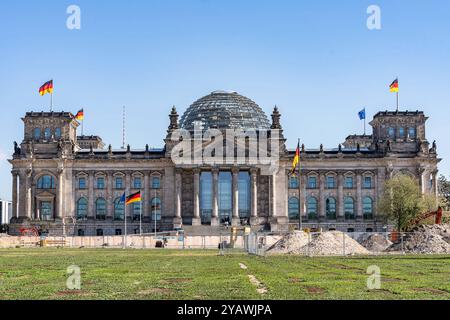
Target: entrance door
[{"x": 46, "y": 209}]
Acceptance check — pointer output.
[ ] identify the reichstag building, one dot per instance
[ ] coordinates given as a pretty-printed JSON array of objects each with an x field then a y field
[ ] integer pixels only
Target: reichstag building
[{"x": 69, "y": 184}]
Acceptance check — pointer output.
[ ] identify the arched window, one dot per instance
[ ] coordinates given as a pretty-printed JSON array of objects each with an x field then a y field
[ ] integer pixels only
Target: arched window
[
  {"x": 119, "y": 209},
  {"x": 349, "y": 208},
  {"x": 58, "y": 133},
  {"x": 294, "y": 208},
  {"x": 293, "y": 182},
  {"x": 46, "y": 182},
  {"x": 82, "y": 205},
  {"x": 136, "y": 211},
  {"x": 47, "y": 133},
  {"x": 100, "y": 209},
  {"x": 368, "y": 208},
  {"x": 331, "y": 208},
  {"x": 391, "y": 132},
  {"x": 156, "y": 182},
  {"x": 37, "y": 133},
  {"x": 312, "y": 208},
  {"x": 156, "y": 209}
]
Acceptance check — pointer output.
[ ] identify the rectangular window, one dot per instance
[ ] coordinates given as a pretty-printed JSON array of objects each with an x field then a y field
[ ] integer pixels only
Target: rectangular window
[
  {"x": 312, "y": 182},
  {"x": 99, "y": 232},
  {"x": 367, "y": 182},
  {"x": 348, "y": 182},
  {"x": 119, "y": 183},
  {"x": 137, "y": 183},
  {"x": 82, "y": 183},
  {"x": 118, "y": 232},
  {"x": 100, "y": 183},
  {"x": 156, "y": 183},
  {"x": 331, "y": 182}
]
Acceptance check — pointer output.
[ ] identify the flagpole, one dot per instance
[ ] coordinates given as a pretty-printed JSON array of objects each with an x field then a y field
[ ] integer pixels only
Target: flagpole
[
  {"x": 140, "y": 218},
  {"x": 397, "y": 92},
  {"x": 51, "y": 102},
  {"x": 300, "y": 221},
  {"x": 397, "y": 101},
  {"x": 125, "y": 204}
]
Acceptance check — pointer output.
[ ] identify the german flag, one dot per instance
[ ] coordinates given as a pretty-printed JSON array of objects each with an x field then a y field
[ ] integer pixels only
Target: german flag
[
  {"x": 135, "y": 197},
  {"x": 46, "y": 88},
  {"x": 80, "y": 115},
  {"x": 296, "y": 159},
  {"x": 394, "y": 86}
]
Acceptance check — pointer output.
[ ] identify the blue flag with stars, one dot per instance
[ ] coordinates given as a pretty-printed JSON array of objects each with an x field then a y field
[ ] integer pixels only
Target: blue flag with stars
[{"x": 362, "y": 114}]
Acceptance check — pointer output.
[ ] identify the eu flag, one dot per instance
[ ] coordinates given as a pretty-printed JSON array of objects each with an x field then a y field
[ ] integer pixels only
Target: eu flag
[
  {"x": 362, "y": 114},
  {"x": 122, "y": 198}
]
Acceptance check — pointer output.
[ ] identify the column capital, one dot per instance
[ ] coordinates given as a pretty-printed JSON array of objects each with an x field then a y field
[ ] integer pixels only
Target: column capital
[
  {"x": 215, "y": 170},
  {"x": 235, "y": 170},
  {"x": 196, "y": 170}
]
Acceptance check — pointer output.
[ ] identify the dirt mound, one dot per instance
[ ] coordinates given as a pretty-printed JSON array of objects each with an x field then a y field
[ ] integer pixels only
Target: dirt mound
[
  {"x": 321, "y": 244},
  {"x": 291, "y": 243},
  {"x": 426, "y": 239},
  {"x": 376, "y": 243},
  {"x": 332, "y": 243}
]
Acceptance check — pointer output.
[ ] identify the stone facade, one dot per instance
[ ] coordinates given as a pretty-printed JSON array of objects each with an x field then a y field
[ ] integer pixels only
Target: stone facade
[{"x": 70, "y": 189}]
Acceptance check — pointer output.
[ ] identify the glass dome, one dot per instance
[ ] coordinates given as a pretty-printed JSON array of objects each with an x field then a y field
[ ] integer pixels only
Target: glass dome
[{"x": 225, "y": 110}]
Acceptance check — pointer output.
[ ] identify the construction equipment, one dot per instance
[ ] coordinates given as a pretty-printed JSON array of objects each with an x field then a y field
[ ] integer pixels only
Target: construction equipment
[
  {"x": 29, "y": 232},
  {"x": 420, "y": 218}
]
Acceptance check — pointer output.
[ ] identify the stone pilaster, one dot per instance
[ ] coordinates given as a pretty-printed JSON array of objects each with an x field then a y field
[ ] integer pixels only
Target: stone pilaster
[
  {"x": 322, "y": 208},
  {"x": 340, "y": 197},
  {"x": 14, "y": 194},
  {"x": 129, "y": 210},
  {"x": 91, "y": 200},
  {"x": 359, "y": 186},
  {"x": 60, "y": 198},
  {"x": 146, "y": 196},
  {"x": 303, "y": 180},
  {"x": 196, "y": 220},
  {"x": 28, "y": 203},
  {"x": 109, "y": 195}
]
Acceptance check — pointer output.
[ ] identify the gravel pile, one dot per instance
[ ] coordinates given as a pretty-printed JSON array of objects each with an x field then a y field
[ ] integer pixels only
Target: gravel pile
[
  {"x": 427, "y": 239},
  {"x": 376, "y": 243},
  {"x": 332, "y": 243},
  {"x": 291, "y": 243},
  {"x": 322, "y": 244}
]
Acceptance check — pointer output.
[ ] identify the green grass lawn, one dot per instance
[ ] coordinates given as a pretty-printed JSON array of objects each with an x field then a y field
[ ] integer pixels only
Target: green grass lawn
[{"x": 165, "y": 274}]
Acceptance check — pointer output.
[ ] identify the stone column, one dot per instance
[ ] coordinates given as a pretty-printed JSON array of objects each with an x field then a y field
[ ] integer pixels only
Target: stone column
[
  {"x": 254, "y": 195},
  {"x": 340, "y": 197},
  {"x": 146, "y": 196},
  {"x": 14, "y": 194},
  {"x": 215, "y": 198},
  {"x": 109, "y": 195},
  {"x": 359, "y": 187},
  {"x": 196, "y": 220},
  {"x": 235, "y": 220},
  {"x": 435, "y": 190},
  {"x": 91, "y": 200},
  {"x": 322, "y": 196},
  {"x": 177, "y": 220}
]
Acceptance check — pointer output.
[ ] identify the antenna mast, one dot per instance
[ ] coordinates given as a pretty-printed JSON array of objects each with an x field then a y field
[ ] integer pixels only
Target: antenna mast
[{"x": 123, "y": 128}]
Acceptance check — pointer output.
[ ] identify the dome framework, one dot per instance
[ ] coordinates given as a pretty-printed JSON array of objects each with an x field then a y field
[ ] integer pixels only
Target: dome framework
[{"x": 225, "y": 110}]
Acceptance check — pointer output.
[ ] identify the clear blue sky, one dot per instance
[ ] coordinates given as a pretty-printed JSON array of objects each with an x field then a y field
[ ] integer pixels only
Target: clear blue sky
[{"x": 316, "y": 60}]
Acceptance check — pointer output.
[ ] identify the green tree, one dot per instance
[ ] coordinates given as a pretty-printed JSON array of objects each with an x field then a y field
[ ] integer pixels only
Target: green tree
[
  {"x": 402, "y": 201},
  {"x": 444, "y": 191}
]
